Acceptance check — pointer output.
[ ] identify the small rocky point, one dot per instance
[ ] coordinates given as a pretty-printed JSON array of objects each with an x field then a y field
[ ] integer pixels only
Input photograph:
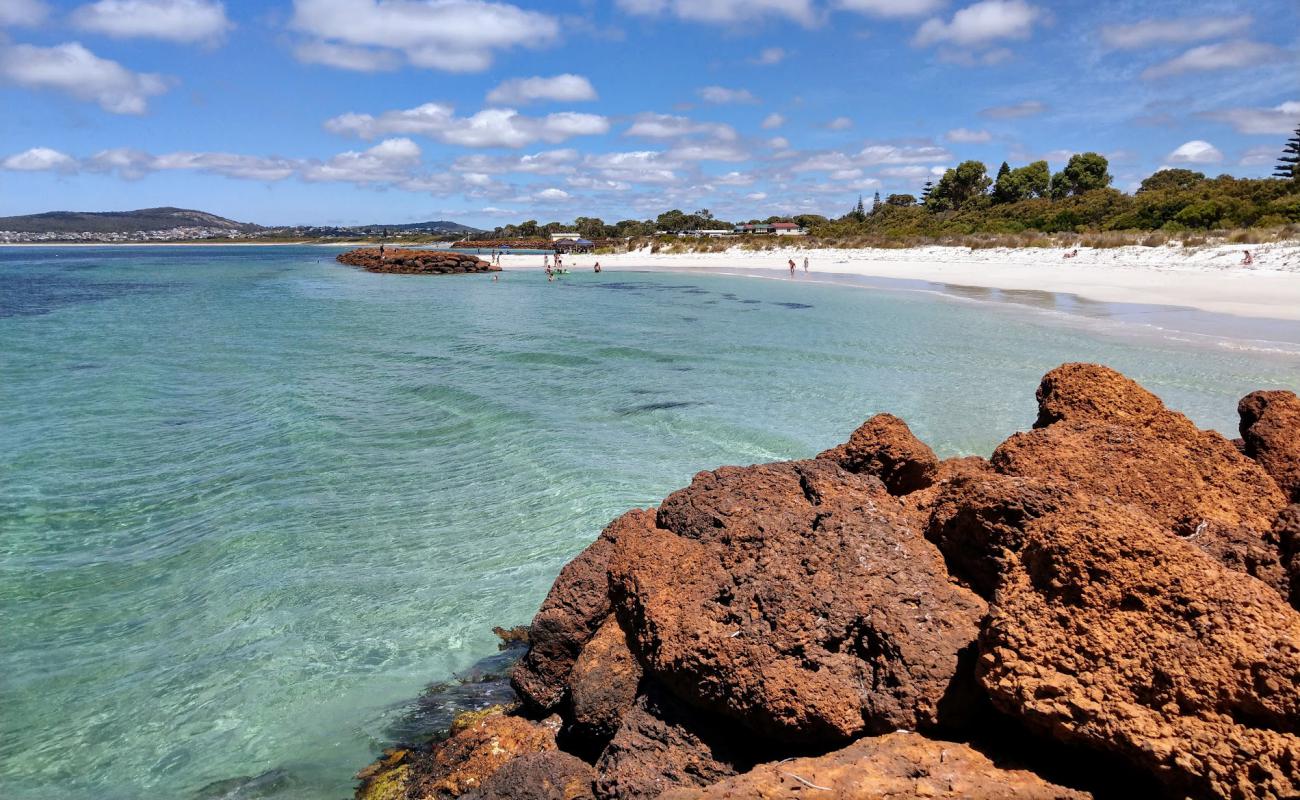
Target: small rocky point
[
  {"x": 1106, "y": 608},
  {"x": 415, "y": 262}
]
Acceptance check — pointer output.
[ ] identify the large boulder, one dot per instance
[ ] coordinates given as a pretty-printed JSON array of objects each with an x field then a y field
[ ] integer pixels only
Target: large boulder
[
  {"x": 603, "y": 682},
  {"x": 1105, "y": 435},
  {"x": 885, "y": 447},
  {"x": 1270, "y": 432},
  {"x": 800, "y": 599},
  {"x": 575, "y": 607},
  {"x": 1106, "y": 632},
  {"x": 898, "y": 766},
  {"x": 548, "y": 775},
  {"x": 663, "y": 744}
]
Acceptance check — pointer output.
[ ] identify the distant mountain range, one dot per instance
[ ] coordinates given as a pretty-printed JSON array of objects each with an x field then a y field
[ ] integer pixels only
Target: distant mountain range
[{"x": 185, "y": 221}]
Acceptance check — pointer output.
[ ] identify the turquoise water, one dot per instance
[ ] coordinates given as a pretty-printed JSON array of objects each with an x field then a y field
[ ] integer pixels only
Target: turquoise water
[{"x": 253, "y": 501}]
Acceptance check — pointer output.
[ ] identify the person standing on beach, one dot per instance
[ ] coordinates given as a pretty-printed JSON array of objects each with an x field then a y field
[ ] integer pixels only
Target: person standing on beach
[
  {"x": 805, "y": 265},
  {"x": 792, "y": 268}
]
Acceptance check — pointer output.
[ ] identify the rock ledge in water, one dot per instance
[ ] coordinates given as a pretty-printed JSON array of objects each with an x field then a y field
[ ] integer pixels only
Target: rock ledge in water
[{"x": 415, "y": 262}]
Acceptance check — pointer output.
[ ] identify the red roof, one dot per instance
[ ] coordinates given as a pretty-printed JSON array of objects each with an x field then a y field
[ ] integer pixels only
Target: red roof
[{"x": 784, "y": 225}]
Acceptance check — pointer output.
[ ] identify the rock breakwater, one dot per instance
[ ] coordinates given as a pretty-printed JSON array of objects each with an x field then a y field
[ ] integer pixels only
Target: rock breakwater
[
  {"x": 415, "y": 262},
  {"x": 1104, "y": 608}
]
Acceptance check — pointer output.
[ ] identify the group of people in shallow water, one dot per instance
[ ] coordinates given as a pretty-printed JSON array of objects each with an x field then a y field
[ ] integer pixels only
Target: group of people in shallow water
[
  {"x": 792, "y": 265},
  {"x": 559, "y": 269}
]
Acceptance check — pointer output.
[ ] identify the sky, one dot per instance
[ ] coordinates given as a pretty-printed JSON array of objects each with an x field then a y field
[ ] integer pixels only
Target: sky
[{"x": 337, "y": 112}]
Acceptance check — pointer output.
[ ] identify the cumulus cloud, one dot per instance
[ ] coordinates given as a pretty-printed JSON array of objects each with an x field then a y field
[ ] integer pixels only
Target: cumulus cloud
[
  {"x": 772, "y": 121},
  {"x": 548, "y": 162},
  {"x": 567, "y": 88},
  {"x": 1280, "y": 119},
  {"x": 639, "y": 166},
  {"x": 343, "y": 56},
  {"x": 769, "y": 56},
  {"x": 390, "y": 161},
  {"x": 722, "y": 95},
  {"x": 891, "y": 8},
  {"x": 1195, "y": 152},
  {"x": 873, "y": 155},
  {"x": 966, "y": 136},
  {"x": 185, "y": 21},
  {"x": 552, "y": 195},
  {"x": 668, "y": 126},
  {"x": 1171, "y": 31},
  {"x": 449, "y": 35},
  {"x": 22, "y": 12},
  {"x": 724, "y": 12},
  {"x": 40, "y": 159},
  {"x": 1027, "y": 108},
  {"x": 981, "y": 23},
  {"x": 840, "y": 124},
  {"x": 492, "y": 127},
  {"x": 1210, "y": 57},
  {"x": 1260, "y": 156},
  {"x": 73, "y": 70},
  {"x": 133, "y": 164}
]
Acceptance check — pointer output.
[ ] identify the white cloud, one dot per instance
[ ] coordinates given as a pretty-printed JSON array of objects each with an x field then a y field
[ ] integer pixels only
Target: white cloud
[
  {"x": 983, "y": 22},
  {"x": 771, "y": 121},
  {"x": 723, "y": 95},
  {"x": 1028, "y": 108},
  {"x": 40, "y": 159},
  {"x": 891, "y": 8},
  {"x": 1223, "y": 55},
  {"x": 902, "y": 154},
  {"x": 778, "y": 143},
  {"x": 449, "y": 35},
  {"x": 967, "y": 58},
  {"x": 186, "y": 21},
  {"x": 1280, "y": 119},
  {"x": 22, "y": 12},
  {"x": 492, "y": 127},
  {"x": 548, "y": 162},
  {"x": 707, "y": 152},
  {"x": 966, "y": 136},
  {"x": 553, "y": 195},
  {"x": 1150, "y": 32},
  {"x": 840, "y": 124},
  {"x": 1195, "y": 152},
  {"x": 392, "y": 160},
  {"x": 724, "y": 12},
  {"x": 668, "y": 126},
  {"x": 74, "y": 70},
  {"x": 770, "y": 55},
  {"x": 756, "y": 196},
  {"x": 640, "y": 166},
  {"x": 567, "y": 88},
  {"x": 343, "y": 56},
  {"x": 1262, "y": 155},
  {"x": 133, "y": 164}
]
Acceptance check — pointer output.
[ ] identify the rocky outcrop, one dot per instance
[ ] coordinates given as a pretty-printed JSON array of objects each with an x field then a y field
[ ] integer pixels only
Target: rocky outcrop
[
  {"x": 1105, "y": 435},
  {"x": 897, "y": 766},
  {"x": 415, "y": 262},
  {"x": 885, "y": 447},
  {"x": 798, "y": 599},
  {"x": 1270, "y": 434},
  {"x": 1097, "y": 610}
]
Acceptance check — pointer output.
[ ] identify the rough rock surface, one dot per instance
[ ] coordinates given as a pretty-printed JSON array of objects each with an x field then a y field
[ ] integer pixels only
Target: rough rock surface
[
  {"x": 898, "y": 766},
  {"x": 548, "y": 775},
  {"x": 603, "y": 682},
  {"x": 885, "y": 447},
  {"x": 1286, "y": 532},
  {"x": 1105, "y": 435},
  {"x": 576, "y": 605},
  {"x": 474, "y": 753},
  {"x": 415, "y": 262},
  {"x": 1270, "y": 431},
  {"x": 799, "y": 599},
  {"x": 1104, "y": 631},
  {"x": 664, "y": 744}
]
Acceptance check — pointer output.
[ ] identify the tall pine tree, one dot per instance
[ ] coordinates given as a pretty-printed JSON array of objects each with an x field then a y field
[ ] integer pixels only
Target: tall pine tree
[
  {"x": 1288, "y": 164},
  {"x": 925, "y": 190}
]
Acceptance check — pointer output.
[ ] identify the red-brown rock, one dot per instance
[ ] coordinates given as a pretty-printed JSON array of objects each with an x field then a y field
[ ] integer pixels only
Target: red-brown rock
[
  {"x": 475, "y": 753},
  {"x": 1106, "y": 632},
  {"x": 797, "y": 598},
  {"x": 898, "y": 766},
  {"x": 1109, "y": 437},
  {"x": 663, "y": 744},
  {"x": 885, "y": 447},
  {"x": 603, "y": 682},
  {"x": 1286, "y": 532},
  {"x": 414, "y": 262},
  {"x": 1270, "y": 430},
  {"x": 548, "y": 775},
  {"x": 576, "y": 605}
]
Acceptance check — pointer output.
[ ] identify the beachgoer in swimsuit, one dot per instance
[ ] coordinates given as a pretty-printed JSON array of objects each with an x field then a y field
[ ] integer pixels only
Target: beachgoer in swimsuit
[
  {"x": 792, "y": 268},
  {"x": 805, "y": 264},
  {"x": 597, "y": 266},
  {"x": 1247, "y": 259}
]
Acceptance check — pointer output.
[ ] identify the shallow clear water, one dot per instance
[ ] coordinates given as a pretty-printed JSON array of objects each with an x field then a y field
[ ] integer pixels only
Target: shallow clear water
[{"x": 252, "y": 501}]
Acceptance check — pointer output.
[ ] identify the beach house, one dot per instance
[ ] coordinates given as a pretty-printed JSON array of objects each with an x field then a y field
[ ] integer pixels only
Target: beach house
[{"x": 772, "y": 229}]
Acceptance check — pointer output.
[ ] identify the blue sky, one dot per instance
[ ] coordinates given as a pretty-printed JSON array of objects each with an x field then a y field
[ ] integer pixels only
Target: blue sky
[{"x": 354, "y": 111}]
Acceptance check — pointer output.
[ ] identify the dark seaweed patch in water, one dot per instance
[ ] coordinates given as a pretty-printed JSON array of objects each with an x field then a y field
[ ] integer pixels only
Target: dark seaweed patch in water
[
  {"x": 31, "y": 294},
  {"x": 792, "y": 305},
  {"x": 483, "y": 685},
  {"x": 751, "y": 302},
  {"x": 690, "y": 319},
  {"x": 660, "y": 406},
  {"x": 246, "y": 787}
]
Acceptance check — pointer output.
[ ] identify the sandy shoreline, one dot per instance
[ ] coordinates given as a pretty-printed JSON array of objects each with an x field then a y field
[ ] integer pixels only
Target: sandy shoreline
[{"x": 1208, "y": 278}]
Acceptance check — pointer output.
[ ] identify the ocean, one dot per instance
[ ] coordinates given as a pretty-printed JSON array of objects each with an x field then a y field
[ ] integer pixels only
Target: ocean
[{"x": 254, "y": 501}]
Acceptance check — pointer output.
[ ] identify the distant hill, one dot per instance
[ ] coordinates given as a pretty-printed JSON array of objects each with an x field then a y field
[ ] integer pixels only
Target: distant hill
[
  {"x": 146, "y": 219},
  {"x": 441, "y": 226}
]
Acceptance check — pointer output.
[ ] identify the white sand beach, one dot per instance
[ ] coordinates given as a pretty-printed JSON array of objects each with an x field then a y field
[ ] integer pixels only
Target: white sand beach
[{"x": 1210, "y": 278}]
